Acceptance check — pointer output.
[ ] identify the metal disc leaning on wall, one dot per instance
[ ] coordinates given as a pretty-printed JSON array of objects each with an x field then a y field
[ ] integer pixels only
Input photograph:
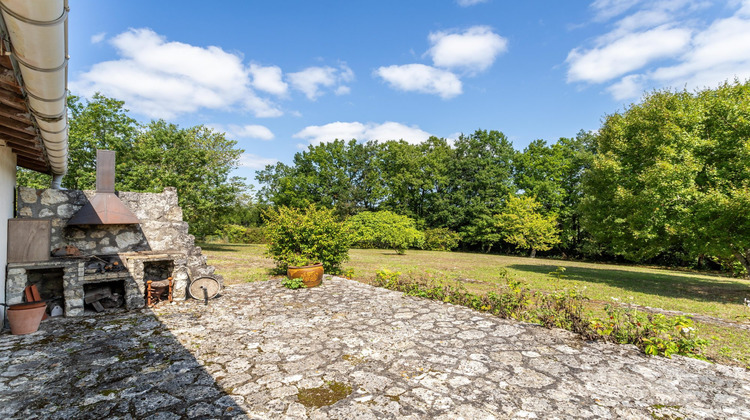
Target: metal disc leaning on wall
[{"x": 211, "y": 286}]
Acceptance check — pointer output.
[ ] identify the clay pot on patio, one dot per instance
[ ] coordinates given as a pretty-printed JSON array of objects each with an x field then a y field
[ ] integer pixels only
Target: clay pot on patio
[
  {"x": 311, "y": 275},
  {"x": 24, "y": 318}
]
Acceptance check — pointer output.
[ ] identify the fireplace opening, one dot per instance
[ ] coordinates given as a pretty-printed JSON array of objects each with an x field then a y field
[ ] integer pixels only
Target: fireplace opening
[
  {"x": 157, "y": 270},
  {"x": 157, "y": 276},
  {"x": 49, "y": 282},
  {"x": 104, "y": 296}
]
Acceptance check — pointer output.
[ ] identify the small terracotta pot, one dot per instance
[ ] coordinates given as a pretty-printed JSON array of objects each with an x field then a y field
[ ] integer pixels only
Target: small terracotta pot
[
  {"x": 311, "y": 275},
  {"x": 24, "y": 318}
]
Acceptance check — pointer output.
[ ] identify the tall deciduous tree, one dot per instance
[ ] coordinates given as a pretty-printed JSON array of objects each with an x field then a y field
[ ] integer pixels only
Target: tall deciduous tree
[
  {"x": 197, "y": 161},
  {"x": 552, "y": 174},
  {"x": 99, "y": 123},
  {"x": 415, "y": 177},
  {"x": 672, "y": 172},
  {"x": 481, "y": 176},
  {"x": 338, "y": 174},
  {"x": 521, "y": 224}
]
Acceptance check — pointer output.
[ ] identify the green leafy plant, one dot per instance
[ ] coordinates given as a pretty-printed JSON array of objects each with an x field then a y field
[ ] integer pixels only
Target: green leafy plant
[
  {"x": 306, "y": 236},
  {"x": 385, "y": 229},
  {"x": 565, "y": 309},
  {"x": 295, "y": 283},
  {"x": 655, "y": 334},
  {"x": 440, "y": 239},
  {"x": 558, "y": 274}
]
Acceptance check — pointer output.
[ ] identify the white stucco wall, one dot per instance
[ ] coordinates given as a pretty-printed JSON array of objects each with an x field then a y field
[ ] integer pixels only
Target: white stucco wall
[{"x": 7, "y": 187}]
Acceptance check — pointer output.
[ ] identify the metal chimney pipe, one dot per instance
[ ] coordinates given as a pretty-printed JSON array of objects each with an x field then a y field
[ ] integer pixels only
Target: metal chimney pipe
[{"x": 104, "y": 207}]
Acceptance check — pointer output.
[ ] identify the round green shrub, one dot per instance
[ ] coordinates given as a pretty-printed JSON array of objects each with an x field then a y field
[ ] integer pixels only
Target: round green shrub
[
  {"x": 306, "y": 236},
  {"x": 385, "y": 229},
  {"x": 441, "y": 239},
  {"x": 237, "y": 234}
]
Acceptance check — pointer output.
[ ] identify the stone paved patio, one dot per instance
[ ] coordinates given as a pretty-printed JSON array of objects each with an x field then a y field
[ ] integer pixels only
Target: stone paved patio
[{"x": 261, "y": 351}]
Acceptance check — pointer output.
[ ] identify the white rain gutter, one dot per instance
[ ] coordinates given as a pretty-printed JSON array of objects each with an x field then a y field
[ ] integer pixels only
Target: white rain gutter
[{"x": 38, "y": 31}]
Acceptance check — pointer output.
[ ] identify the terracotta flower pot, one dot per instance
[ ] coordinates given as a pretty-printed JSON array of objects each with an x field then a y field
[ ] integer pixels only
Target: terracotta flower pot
[
  {"x": 311, "y": 275},
  {"x": 24, "y": 318}
]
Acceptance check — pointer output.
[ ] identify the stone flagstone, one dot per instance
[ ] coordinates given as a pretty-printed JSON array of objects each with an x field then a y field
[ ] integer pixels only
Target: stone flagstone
[{"x": 341, "y": 351}]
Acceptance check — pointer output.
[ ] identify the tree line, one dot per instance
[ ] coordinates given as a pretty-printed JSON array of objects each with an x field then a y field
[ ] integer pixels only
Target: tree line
[
  {"x": 464, "y": 185},
  {"x": 665, "y": 181}
]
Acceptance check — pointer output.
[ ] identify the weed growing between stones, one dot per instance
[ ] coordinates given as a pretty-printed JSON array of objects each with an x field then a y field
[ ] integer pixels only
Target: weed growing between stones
[
  {"x": 564, "y": 308},
  {"x": 295, "y": 283},
  {"x": 327, "y": 394}
]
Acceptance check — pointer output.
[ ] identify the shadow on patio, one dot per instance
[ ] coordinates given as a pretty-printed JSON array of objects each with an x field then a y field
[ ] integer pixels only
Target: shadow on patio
[{"x": 103, "y": 366}]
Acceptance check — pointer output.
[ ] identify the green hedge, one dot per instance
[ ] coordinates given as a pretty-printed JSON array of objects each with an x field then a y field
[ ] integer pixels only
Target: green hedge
[
  {"x": 385, "y": 229},
  {"x": 236, "y": 234},
  {"x": 440, "y": 239}
]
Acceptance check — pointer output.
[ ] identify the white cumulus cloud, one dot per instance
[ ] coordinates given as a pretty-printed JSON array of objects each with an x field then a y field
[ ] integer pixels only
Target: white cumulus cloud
[
  {"x": 316, "y": 134},
  {"x": 268, "y": 79},
  {"x": 421, "y": 78},
  {"x": 162, "y": 79},
  {"x": 249, "y": 131},
  {"x": 473, "y": 50},
  {"x": 720, "y": 52},
  {"x": 252, "y": 161},
  {"x": 312, "y": 80},
  {"x": 663, "y": 43},
  {"x": 626, "y": 54},
  {"x": 467, "y": 52},
  {"x": 628, "y": 87},
  {"x": 97, "y": 38}
]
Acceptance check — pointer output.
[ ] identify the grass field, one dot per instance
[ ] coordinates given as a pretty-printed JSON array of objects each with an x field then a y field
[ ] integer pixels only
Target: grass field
[{"x": 698, "y": 293}]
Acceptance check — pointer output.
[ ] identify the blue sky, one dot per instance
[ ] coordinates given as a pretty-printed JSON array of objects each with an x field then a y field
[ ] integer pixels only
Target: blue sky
[{"x": 280, "y": 75}]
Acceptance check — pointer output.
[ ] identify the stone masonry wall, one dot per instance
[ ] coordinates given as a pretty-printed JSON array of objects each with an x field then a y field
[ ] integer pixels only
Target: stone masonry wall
[{"x": 161, "y": 229}]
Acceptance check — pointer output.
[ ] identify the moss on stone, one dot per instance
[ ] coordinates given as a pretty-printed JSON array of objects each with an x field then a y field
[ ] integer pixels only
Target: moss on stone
[
  {"x": 354, "y": 360},
  {"x": 327, "y": 394}
]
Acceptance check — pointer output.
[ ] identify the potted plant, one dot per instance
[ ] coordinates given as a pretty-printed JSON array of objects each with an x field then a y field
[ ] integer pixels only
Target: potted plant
[
  {"x": 310, "y": 272},
  {"x": 305, "y": 241}
]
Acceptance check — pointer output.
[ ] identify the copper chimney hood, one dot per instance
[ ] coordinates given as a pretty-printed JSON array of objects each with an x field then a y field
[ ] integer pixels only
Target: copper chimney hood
[{"x": 104, "y": 208}]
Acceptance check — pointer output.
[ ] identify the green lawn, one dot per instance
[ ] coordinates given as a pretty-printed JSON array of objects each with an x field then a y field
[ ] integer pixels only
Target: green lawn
[{"x": 698, "y": 293}]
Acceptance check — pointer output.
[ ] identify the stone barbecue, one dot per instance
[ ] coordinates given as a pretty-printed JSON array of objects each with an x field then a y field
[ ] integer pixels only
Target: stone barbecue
[{"x": 119, "y": 258}]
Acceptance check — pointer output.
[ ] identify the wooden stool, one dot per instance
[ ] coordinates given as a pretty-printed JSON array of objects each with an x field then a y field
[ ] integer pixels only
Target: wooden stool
[{"x": 155, "y": 291}]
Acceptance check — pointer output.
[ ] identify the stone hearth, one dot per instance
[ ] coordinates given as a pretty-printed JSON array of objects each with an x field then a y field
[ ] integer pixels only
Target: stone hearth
[{"x": 159, "y": 246}]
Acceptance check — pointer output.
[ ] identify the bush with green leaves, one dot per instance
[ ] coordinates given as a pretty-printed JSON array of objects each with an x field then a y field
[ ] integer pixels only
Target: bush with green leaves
[
  {"x": 295, "y": 283},
  {"x": 386, "y": 230},
  {"x": 655, "y": 334},
  {"x": 441, "y": 239},
  {"x": 306, "y": 236},
  {"x": 236, "y": 234}
]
